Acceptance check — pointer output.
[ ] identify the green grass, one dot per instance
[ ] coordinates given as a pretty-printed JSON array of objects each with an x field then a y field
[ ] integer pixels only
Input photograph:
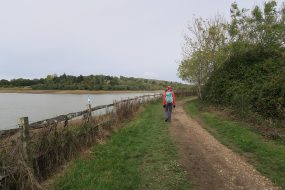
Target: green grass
[
  {"x": 267, "y": 156},
  {"x": 140, "y": 156}
]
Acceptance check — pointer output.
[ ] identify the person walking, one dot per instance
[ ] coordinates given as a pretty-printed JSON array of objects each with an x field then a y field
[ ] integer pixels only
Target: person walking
[{"x": 168, "y": 102}]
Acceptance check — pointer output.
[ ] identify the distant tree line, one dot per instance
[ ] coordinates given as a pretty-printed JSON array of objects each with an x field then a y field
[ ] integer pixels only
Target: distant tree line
[
  {"x": 240, "y": 63},
  {"x": 91, "y": 82}
]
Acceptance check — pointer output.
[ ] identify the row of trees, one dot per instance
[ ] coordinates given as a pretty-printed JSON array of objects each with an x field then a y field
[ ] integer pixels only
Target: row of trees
[
  {"x": 243, "y": 59},
  {"x": 92, "y": 82}
]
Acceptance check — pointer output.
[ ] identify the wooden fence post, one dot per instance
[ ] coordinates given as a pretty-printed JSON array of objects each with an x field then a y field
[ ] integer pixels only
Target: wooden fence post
[
  {"x": 89, "y": 112},
  {"x": 25, "y": 138}
]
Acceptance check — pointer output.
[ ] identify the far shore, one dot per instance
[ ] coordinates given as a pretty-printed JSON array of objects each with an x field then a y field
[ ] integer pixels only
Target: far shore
[{"x": 31, "y": 91}]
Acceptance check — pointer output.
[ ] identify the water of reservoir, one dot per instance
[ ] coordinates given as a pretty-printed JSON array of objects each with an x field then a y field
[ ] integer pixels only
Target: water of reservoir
[{"x": 43, "y": 106}]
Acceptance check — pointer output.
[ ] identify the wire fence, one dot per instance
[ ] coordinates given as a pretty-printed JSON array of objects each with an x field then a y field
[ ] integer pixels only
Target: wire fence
[{"x": 67, "y": 117}]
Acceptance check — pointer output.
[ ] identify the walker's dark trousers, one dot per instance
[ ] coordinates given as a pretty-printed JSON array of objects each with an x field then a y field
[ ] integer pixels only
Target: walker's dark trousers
[{"x": 168, "y": 110}]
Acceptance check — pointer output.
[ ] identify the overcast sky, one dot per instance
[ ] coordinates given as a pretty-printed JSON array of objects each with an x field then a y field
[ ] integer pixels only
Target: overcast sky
[{"x": 139, "y": 38}]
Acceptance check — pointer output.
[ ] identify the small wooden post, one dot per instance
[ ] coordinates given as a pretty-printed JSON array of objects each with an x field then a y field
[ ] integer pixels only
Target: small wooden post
[
  {"x": 89, "y": 112},
  {"x": 107, "y": 110},
  {"x": 25, "y": 137},
  {"x": 65, "y": 122}
]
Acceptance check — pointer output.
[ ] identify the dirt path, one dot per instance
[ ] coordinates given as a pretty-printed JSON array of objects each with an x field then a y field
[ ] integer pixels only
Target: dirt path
[{"x": 211, "y": 165}]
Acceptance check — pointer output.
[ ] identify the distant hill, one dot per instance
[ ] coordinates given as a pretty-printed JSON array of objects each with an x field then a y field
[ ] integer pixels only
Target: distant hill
[{"x": 91, "y": 82}]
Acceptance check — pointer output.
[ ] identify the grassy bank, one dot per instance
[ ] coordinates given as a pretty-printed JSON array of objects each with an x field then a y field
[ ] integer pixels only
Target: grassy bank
[
  {"x": 139, "y": 156},
  {"x": 267, "y": 156}
]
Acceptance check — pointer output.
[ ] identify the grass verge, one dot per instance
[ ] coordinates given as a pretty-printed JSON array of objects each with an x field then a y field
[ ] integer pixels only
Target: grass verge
[
  {"x": 139, "y": 156},
  {"x": 267, "y": 156}
]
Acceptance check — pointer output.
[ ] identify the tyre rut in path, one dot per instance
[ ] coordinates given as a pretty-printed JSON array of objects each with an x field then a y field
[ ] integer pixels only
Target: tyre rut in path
[{"x": 209, "y": 164}]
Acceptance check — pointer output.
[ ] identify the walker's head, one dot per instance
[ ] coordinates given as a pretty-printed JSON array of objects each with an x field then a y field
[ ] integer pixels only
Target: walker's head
[{"x": 169, "y": 87}]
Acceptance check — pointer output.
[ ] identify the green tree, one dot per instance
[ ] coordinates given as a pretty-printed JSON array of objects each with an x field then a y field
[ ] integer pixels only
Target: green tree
[
  {"x": 194, "y": 71},
  {"x": 253, "y": 70},
  {"x": 203, "y": 50},
  {"x": 263, "y": 27}
]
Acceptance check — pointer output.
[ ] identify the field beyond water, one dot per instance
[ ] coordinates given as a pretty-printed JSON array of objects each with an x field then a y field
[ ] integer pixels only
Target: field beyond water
[
  {"x": 139, "y": 156},
  {"x": 268, "y": 156}
]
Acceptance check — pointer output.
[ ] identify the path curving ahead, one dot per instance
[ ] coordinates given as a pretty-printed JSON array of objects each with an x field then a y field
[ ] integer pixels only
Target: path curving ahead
[{"x": 209, "y": 164}]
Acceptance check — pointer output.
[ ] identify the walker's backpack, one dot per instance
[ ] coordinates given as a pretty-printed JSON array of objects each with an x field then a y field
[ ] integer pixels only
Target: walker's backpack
[{"x": 169, "y": 98}]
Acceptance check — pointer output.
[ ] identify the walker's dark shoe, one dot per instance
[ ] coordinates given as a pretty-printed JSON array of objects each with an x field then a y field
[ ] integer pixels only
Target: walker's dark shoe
[{"x": 166, "y": 120}]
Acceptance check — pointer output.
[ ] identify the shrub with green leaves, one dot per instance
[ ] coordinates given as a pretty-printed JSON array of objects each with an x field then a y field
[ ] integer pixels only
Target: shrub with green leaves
[{"x": 253, "y": 80}]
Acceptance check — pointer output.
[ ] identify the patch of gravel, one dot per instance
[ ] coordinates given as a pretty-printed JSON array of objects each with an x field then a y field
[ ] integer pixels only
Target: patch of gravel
[{"x": 209, "y": 164}]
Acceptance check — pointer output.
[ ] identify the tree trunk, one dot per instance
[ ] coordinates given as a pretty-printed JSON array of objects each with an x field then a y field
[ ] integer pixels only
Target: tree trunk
[{"x": 199, "y": 91}]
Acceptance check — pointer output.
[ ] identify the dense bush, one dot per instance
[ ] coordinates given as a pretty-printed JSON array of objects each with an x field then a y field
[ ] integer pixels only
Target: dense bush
[
  {"x": 252, "y": 79},
  {"x": 240, "y": 63}
]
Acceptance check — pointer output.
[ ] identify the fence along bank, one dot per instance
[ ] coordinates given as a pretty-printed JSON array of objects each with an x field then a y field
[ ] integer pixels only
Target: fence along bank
[
  {"x": 32, "y": 152},
  {"x": 65, "y": 118}
]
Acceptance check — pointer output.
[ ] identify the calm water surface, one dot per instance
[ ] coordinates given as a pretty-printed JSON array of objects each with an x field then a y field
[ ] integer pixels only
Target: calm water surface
[{"x": 43, "y": 106}]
